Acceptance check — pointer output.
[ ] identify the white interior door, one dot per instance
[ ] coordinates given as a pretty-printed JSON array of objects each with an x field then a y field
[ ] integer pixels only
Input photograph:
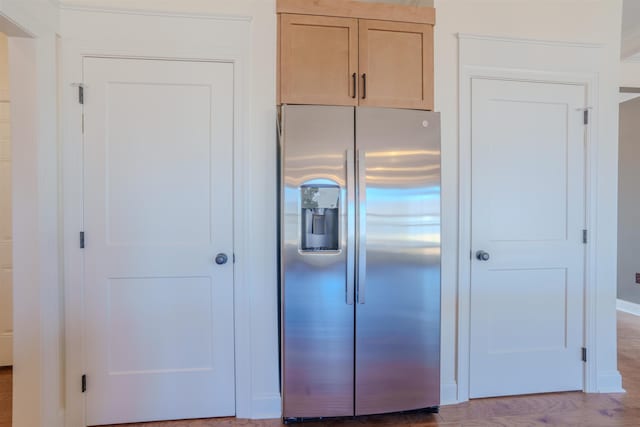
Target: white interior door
[
  {"x": 158, "y": 208},
  {"x": 528, "y": 215}
]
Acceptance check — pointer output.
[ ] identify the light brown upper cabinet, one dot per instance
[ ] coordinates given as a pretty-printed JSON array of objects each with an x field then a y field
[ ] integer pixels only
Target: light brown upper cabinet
[
  {"x": 396, "y": 64},
  {"x": 344, "y": 52},
  {"x": 318, "y": 60}
]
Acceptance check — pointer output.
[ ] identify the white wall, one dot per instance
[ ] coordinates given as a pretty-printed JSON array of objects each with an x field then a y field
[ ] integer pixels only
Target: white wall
[
  {"x": 593, "y": 21},
  {"x": 629, "y": 77},
  {"x": 630, "y": 74}
]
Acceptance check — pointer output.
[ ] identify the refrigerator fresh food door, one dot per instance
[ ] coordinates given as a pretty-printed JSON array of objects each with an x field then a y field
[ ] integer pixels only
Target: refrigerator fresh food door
[
  {"x": 317, "y": 261},
  {"x": 398, "y": 261}
]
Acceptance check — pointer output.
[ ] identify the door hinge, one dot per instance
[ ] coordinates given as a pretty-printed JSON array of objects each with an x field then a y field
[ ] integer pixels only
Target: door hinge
[
  {"x": 585, "y": 237},
  {"x": 586, "y": 116},
  {"x": 584, "y": 354},
  {"x": 234, "y": 258},
  {"x": 81, "y": 94},
  {"x": 84, "y": 383},
  {"x": 82, "y": 240}
]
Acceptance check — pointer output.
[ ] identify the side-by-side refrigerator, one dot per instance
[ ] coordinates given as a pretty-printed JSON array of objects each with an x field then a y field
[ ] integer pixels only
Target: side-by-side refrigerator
[{"x": 360, "y": 260}]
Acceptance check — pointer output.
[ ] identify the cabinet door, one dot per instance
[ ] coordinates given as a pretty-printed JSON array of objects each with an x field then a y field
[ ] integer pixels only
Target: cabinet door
[
  {"x": 396, "y": 64},
  {"x": 318, "y": 60}
]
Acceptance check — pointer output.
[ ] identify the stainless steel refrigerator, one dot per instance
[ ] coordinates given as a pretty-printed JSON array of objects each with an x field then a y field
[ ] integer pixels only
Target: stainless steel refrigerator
[{"x": 360, "y": 260}]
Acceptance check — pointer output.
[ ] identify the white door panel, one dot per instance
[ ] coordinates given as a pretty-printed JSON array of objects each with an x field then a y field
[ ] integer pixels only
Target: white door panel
[
  {"x": 528, "y": 213},
  {"x": 158, "y": 196}
]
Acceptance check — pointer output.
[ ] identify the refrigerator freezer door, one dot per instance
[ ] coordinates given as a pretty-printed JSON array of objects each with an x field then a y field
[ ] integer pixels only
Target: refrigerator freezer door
[
  {"x": 398, "y": 323},
  {"x": 317, "y": 296}
]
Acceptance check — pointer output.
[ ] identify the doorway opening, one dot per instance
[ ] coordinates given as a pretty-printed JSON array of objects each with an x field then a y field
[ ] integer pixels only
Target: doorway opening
[{"x": 628, "y": 288}]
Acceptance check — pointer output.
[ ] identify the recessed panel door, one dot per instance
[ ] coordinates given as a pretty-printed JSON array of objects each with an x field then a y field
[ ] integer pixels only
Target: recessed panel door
[
  {"x": 158, "y": 196},
  {"x": 528, "y": 216}
]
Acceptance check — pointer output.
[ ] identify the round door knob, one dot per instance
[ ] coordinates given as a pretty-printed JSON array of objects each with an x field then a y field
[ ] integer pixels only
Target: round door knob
[
  {"x": 221, "y": 259},
  {"x": 483, "y": 256}
]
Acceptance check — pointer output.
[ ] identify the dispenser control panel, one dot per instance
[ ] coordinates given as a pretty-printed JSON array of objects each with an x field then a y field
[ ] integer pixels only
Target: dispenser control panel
[{"x": 320, "y": 215}]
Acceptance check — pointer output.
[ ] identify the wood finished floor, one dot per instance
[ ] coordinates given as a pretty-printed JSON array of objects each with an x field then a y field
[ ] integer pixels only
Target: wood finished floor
[
  {"x": 555, "y": 409},
  {"x": 5, "y": 397}
]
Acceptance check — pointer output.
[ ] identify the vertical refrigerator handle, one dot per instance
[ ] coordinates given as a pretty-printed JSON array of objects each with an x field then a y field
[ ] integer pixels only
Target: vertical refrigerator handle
[
  {"x": 351, "y": 228},
  {"x": 361, "y": 247}
]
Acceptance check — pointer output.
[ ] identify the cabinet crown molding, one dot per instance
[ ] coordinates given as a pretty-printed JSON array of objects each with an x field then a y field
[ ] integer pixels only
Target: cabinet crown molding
[{"x": 360, "y": 10}]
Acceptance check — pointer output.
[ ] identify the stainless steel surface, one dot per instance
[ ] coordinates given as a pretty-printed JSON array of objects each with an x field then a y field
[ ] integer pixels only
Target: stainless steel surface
[
  {"x": 483, "y": 256},
  {"x": 341, "y": 358},
  {"x": 221, "y": 259},
  {"x": 398, "y": 329},
  {"x": 361, "y": 278},
  {"x": 351, "y": 227},
  {"x": 317, "y": 322}
]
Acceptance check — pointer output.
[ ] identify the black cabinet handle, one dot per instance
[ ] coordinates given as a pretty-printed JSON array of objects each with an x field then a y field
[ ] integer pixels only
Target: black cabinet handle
[
  {"x": 364, "y": 86},
  {"x": 355, "y": 84}
]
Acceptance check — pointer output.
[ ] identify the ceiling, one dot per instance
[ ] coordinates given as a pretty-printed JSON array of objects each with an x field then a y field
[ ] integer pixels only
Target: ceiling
[{"x": 631, "y": 30}]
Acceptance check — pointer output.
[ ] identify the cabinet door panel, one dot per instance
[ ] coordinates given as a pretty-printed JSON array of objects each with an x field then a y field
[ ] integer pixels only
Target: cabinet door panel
[
  {"x": 318, "y": 57},
  {"x": 397, "y": 60}
]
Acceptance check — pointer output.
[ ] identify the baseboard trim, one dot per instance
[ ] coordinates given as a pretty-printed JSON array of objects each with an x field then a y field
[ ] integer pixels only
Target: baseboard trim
[
  {"x": 266, "y": 407},
  {"x": 60, "y": 420},
  {"x": 610, "y": 382},
  {"x": 6, "y": 349},
  {"x": 449, "y": 393},
  {"x": 628, "y": 307}
]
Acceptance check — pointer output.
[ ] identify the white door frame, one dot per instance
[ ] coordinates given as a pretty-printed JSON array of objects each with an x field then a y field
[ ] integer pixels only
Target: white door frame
[
  {"x": 37, "y": 375},
  {"x": 72, "y": 59},
  {"x": 467, "y": 74}
]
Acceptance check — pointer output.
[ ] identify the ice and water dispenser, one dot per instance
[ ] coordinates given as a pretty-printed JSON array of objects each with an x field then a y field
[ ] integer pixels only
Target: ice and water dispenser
[{"x": 320, "y": 218}]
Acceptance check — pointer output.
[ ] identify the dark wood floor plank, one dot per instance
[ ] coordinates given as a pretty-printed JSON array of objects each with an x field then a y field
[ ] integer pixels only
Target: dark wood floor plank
[{"x": 6, "y": 378}]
